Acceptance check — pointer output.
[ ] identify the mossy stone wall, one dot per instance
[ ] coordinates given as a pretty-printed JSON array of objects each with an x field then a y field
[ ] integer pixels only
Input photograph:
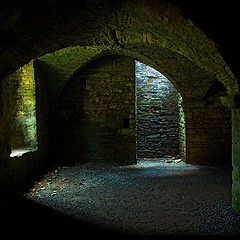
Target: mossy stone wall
[
  {"x": 154, "y": 30},
  {"x": 96, "y": 117},
  {"x": 24, "y": 101},
  {"x": 23, "y": 109}
]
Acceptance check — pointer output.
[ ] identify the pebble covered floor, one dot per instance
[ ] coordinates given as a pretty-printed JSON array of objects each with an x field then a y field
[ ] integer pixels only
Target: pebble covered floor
[{"x": 148, "y": 198}]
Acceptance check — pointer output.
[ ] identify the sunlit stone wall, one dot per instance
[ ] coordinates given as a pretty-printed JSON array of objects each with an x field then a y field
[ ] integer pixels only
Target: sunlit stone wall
[
  {"x": 23, "y": 134},
  {"x": 160, "y": 123}
]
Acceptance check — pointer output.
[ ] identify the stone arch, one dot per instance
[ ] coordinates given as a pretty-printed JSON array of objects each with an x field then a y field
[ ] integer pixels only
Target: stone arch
[
  {"x": 79, "y": 58},
  {"x": 182, "y": 73},
  {"x": 194, "y": 85},
  {"x": 131, "y": 25},
  {"x": 97, "y": 123},
  {"x": 154, "y": 29}
]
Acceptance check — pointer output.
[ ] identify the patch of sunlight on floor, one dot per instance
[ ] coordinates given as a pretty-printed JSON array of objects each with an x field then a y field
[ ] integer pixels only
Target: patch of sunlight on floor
[
  {"x": 20, "y": 152},
  {"x": 160, "y": 162}
]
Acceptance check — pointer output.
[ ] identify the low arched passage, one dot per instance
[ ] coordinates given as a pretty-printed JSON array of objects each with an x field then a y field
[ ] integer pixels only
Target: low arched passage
[
  {"x": 98, "y": 115},
  {"x": 160, "y": 124},
  {"x": 208, "y": 124},
  {"x": 150, "y": 28},
  {"x": 153, "y": 29}
]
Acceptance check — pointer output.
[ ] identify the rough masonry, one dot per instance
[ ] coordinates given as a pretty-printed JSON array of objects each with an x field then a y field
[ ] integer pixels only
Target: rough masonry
[{"x": 158, "y": 117}]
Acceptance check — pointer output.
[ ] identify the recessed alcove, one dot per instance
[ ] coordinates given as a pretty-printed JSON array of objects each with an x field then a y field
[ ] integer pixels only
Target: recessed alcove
[{"x": 22, "y": 105}]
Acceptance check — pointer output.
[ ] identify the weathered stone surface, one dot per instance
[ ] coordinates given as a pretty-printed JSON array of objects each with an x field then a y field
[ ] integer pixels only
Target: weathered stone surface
[
  {"x": 22, "y": 104},
  {"x": 236, "y": 190},
  {"x": 96, "y": 115},
  {"x": 157, "y": 118},
  {"x": 125, "y": 25},
  {"x": 236, "y": 159},
  {"x": 152, "y": 31},
  {"x": 208, "y": 133},
  {"x": 23, "y": 100}
]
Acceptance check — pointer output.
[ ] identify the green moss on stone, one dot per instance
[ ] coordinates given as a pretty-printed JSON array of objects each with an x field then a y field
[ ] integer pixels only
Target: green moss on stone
[
  {"x": 58, "y": 66},
  {"x": 23, "y": 104}
]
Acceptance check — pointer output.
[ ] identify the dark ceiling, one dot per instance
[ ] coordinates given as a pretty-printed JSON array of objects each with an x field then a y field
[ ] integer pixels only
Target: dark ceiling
[{"x": 218, "y": 19}]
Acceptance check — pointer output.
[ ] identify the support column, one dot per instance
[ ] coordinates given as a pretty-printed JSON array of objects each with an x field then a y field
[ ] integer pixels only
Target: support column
[
  {"x": 233, "y": 102},
  {"x": 236, "y": 159},
  {"x": 208, "y": 132}
]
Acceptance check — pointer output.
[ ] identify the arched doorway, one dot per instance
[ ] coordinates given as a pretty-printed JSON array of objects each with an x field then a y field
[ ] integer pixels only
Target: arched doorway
[
  {"x": 160, "y": 123},
  {"x": 157, "y": 31}
]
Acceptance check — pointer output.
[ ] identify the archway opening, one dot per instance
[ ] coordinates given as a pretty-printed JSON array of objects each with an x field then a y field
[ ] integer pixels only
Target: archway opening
[
  {"x": 117, "y": 109},
  {"x": 94, "y": 119},
  {"x": 136, "y": 27},
  {"x": 160, "y": 126},
  {"x": 22, "y": 110}
]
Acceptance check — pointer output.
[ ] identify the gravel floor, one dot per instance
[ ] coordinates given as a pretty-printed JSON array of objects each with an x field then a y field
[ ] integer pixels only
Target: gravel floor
[{"x": 149, "y": 198}]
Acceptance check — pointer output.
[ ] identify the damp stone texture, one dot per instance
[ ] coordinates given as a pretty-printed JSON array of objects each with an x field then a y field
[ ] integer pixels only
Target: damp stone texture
[
  {"x": 22, "y": 104},
  {"x": 97, "y": 113},
  {"x": 157, "y": 114}
]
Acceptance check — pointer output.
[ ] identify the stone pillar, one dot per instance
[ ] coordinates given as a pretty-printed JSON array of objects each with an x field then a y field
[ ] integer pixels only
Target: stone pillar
[
  {"x": 208, "y": 132},
  {"x": 236, "y": 159},
  {"x": 233, "y": 102}
]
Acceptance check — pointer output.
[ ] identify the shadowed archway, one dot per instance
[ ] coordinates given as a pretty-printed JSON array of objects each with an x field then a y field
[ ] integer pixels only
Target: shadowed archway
[{"x": 153, "y": 31}]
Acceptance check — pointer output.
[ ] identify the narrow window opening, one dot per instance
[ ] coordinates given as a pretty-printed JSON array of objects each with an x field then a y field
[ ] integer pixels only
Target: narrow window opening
[{"x": 23, "y": 111}]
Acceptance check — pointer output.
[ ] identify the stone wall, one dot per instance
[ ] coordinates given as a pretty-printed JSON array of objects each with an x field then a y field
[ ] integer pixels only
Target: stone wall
[
  {"x": 236, "y": 159},
  {"x": 58, "y": 66},
  {"x": 208, "y": 132},
  {"x": 158, "y": 120},
  {"x": 44, "y": 120},
  {"x": 96, "y": 113},
  {"x": 22, "y": 104},
  {"x": 151, "y": 30},
  {"x": 24, "y": 101}
]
